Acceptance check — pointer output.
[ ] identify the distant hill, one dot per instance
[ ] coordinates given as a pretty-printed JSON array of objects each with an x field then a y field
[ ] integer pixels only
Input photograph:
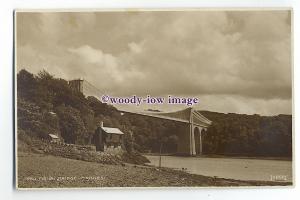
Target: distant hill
[{"x": 252, "y": 135}]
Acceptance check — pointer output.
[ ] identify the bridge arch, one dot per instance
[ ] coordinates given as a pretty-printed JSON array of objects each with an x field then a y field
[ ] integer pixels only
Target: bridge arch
[
  {"x": 198, "y": 140},
  {"x": 198, "y": 133}
]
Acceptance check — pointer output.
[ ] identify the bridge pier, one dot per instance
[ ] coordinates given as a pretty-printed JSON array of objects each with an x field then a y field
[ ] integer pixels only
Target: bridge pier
[{"x": 197, "y": 140}]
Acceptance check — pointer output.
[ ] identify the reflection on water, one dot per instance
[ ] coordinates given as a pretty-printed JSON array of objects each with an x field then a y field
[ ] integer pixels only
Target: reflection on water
[{"x": 234, "y": 168}]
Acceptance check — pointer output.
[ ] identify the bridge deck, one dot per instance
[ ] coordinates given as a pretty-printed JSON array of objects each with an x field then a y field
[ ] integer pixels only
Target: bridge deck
[
  {"x": 156, "y": 116},
  {"x": 161, "y": 115}
]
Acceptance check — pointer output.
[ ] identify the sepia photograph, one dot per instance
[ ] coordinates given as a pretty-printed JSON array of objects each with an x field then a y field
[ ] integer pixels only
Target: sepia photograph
[{"x": 153, "y": 98}]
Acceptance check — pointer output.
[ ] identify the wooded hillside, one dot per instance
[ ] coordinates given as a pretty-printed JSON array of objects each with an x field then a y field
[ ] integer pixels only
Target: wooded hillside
[{"x": 76, "y": 118}]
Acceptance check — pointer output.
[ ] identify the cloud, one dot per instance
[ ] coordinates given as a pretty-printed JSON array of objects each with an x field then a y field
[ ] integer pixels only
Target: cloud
[
  {"x": 134, "y": 47},
  {"x": 243, "y": 56},
  {"x": 93, "y": 56},
  {"x": 106, "y": 62},
  {"x": 108, "y": 70}
]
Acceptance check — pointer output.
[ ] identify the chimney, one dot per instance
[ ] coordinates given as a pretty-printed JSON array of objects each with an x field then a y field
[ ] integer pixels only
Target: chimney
[{"x": 101, "y": 124}]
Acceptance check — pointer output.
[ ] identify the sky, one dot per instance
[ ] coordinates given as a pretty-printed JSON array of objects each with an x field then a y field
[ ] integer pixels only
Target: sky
[{"x": 233, "y": 61}]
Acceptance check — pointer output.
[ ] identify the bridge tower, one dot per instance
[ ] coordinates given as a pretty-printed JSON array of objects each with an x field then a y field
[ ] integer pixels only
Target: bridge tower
[
  {"x": 191, "y": 128},
  {"x": 86, "y": 88},
  {"x": 77, "y": 85},
  {"x": 190, "y": 135}
]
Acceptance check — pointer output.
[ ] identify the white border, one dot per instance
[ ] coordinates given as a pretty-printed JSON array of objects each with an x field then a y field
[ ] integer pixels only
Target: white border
[{"x": 6, "y": 145}]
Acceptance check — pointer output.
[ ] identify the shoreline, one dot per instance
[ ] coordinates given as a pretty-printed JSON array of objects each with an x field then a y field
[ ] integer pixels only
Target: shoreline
[
  {"x": 223, "y": 156},
  {"x": 106, "y": 175}
]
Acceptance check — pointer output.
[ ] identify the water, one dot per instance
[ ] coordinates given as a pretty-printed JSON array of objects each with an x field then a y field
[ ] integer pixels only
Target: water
[{"x": 233, "y": 168}]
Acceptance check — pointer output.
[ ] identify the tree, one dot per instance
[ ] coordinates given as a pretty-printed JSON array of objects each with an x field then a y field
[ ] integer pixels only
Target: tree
[
  {"x": 26, "y": 85},
  {"x": 72, "y": 126}
]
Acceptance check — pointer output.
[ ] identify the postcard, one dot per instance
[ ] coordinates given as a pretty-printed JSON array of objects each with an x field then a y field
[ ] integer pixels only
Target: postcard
[{"x": 153, "y": 98}]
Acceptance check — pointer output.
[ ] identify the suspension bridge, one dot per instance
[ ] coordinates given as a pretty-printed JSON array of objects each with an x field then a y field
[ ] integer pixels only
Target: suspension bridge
[{"x": 190, "y": 133}]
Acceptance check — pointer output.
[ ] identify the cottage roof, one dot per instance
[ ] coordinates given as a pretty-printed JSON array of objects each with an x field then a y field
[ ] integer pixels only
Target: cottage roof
[
  {"x": 53, "y": 136},
  {"x": 112, "y": 130}
]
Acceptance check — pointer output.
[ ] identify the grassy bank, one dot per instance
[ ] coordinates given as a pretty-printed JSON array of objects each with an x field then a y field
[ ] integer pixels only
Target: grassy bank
[
  {"x": 40, "y": 170},
  {"x": 78, "y": 152}
]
